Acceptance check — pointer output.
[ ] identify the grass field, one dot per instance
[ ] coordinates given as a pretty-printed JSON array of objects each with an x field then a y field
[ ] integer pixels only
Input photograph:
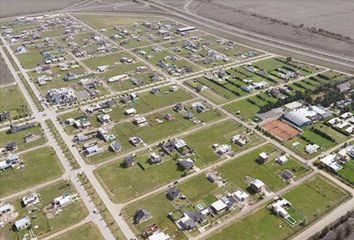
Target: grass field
[
  {"x": 40, "y": 165},
  {"x": 199, "y": 190},
  {"x": 88, "y": 231},
  {"x": 18, "y": 137},
  {"x": 17, "y": 105},
  {"x": 71, "y": 214},
  {"x": 312, "y": 199}
]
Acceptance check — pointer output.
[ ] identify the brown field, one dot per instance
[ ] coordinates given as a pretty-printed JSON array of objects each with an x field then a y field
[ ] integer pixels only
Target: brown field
[{"x": 281, "y": 130}]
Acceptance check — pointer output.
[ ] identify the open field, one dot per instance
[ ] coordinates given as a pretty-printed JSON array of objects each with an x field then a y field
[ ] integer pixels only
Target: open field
[
  {"x": 87, "y": 231},
  {"x": 39, "y": 166},
  {"x": 40, "y": 216},
  {"x": 17, "y": 106},
  {"x": 5, "y": 74},
  {"x": 311, "y": 200}
]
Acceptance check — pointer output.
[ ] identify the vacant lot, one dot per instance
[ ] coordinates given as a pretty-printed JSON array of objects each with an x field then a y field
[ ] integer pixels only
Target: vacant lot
[
  {"x": 11, "y": 100},
  {"x": 87, "y": 231},
  {"x": 39, "y": 166},
  {"x": 5, "y": 74}
]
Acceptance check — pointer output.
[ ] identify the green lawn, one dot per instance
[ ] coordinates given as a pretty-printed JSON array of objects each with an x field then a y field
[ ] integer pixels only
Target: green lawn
[
  {"x": 347, "y": 173},
  {"x": 312, "y": 199},
  {"x": 6, "y": 137},
  {"x": 88, "y": 231},
  {"x": 201, "y": 142},
  {"x": 11, "y": 100},
  {"x": 39, "y": 166},
  {"x": 71, "y": 214},
  {"x": 125, "y": 183}
]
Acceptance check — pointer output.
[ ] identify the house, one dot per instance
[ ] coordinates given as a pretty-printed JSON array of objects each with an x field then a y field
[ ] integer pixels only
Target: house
[
  {"x": 179, "y": 143},
  {"x": 218, "y": 206},
  {"x": 4, "y": 116},
  {"x": 186, "y": 164},
  {"x": 263, "y": 158},
  {"x": 115, "y": 146},
  {"x": 135, "y": 141},
  {"x": 282, "y": 159},
  {"x": 155, "y": 158},
  {"x": 331, "y": 162},
  {"x": 6, "y": 208},
  {"x": 23, "y": 223},
  {"x": 169, "y": 117},
  {"x": 11, "y": 146},
  {"x": 185, "y": 29},
  {"x": 61, "y": 96},
  {"x": 239, "y": 140},
  {"x": 199, "y": 107},
  {"x": 104, "y": 118},
  {"x": 287, "y": 175},
  {"x": 141, "y": 215},
  {"x": 279, "y": 208},
  {"x": 140, "y": 121},
  {"x": 311, "y": 148},
  {"x": 29, "y": 138},
  {"x": 129, "y": 161},
  {"x": 130, "y": 111},
  {"x": 63, "y": 201},
  {"x": 92, "y": 148},
  {"x": 223, "y": 149},
  {"x": 189, "y": 115},
  {"x": 178, "y": 107},
  {"x": 173, "y": 193},
  {"x": 118, "y": 78},
  {"x": 240, "y": 195},
  {"x": 9, "y": 162},
  {"x": 30, "y": 199},
  {"x": 82, "y": 122},
  {"x": 257, "y": 185},
  {"x": 159, "y": 236},
  {"x": 155, "y": 90},
  {"x": 186, "y": 222},
  {"x": 16, "y": 128}
]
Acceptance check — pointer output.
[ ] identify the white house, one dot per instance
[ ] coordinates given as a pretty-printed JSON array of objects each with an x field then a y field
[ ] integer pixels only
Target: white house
[
  {"x": 23, "y": 223},
  {"x": 218, "y": 206}
]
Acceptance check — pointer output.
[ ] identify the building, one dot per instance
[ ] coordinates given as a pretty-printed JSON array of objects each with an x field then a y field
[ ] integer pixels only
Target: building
[
  {"x": 11, "y": 146},
  {"x": 61, "y": 96},
  {"x": 279, "y": 208},
  {"x": 311, "y": 148},
  {"x": 173, "y": 193},
  {"x": 223, "y": 149},
  {"x": 129, "y": 161},
  {"x": 135, "y": 141},
  {"x": 257, "y": 185},
  {"x": 331, "y": 163},
  {"x": 91, "y": 148},
  {"x": 118, "y": 78},
  {"x": 287, "y": 175},
  {"x": 16, "y": 128},
  {"x": 63, "y": 201},
  {"x": 282, "y": 159},
  {"x": 155, "y": 158},
  {"x": 6, "y": 208},
  {"x": 186, "y": 164},
  {"x": 240, "y": 195},
  {"x": 185, "y": 29},
  {"x": 140, "y": 121},
  {"x": 130, "y": 111},
  {"x": 115, "y": 146},
  {"x": 218, "y": 206},
  {"x": 30, "y": 199},
  {"x": 9, "y": 162},
  {"x": 263, "y": 158},
  {"x": 297, "y": 119},
  {"x": 159, "y": 236},
  {"x": 104, "y": 118},
  {"x": 239, "y": 140},
  {"x": 4, "y": 116},
  {"x": 142, "y": 215},
  {"x": 23, "y": 223}
]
